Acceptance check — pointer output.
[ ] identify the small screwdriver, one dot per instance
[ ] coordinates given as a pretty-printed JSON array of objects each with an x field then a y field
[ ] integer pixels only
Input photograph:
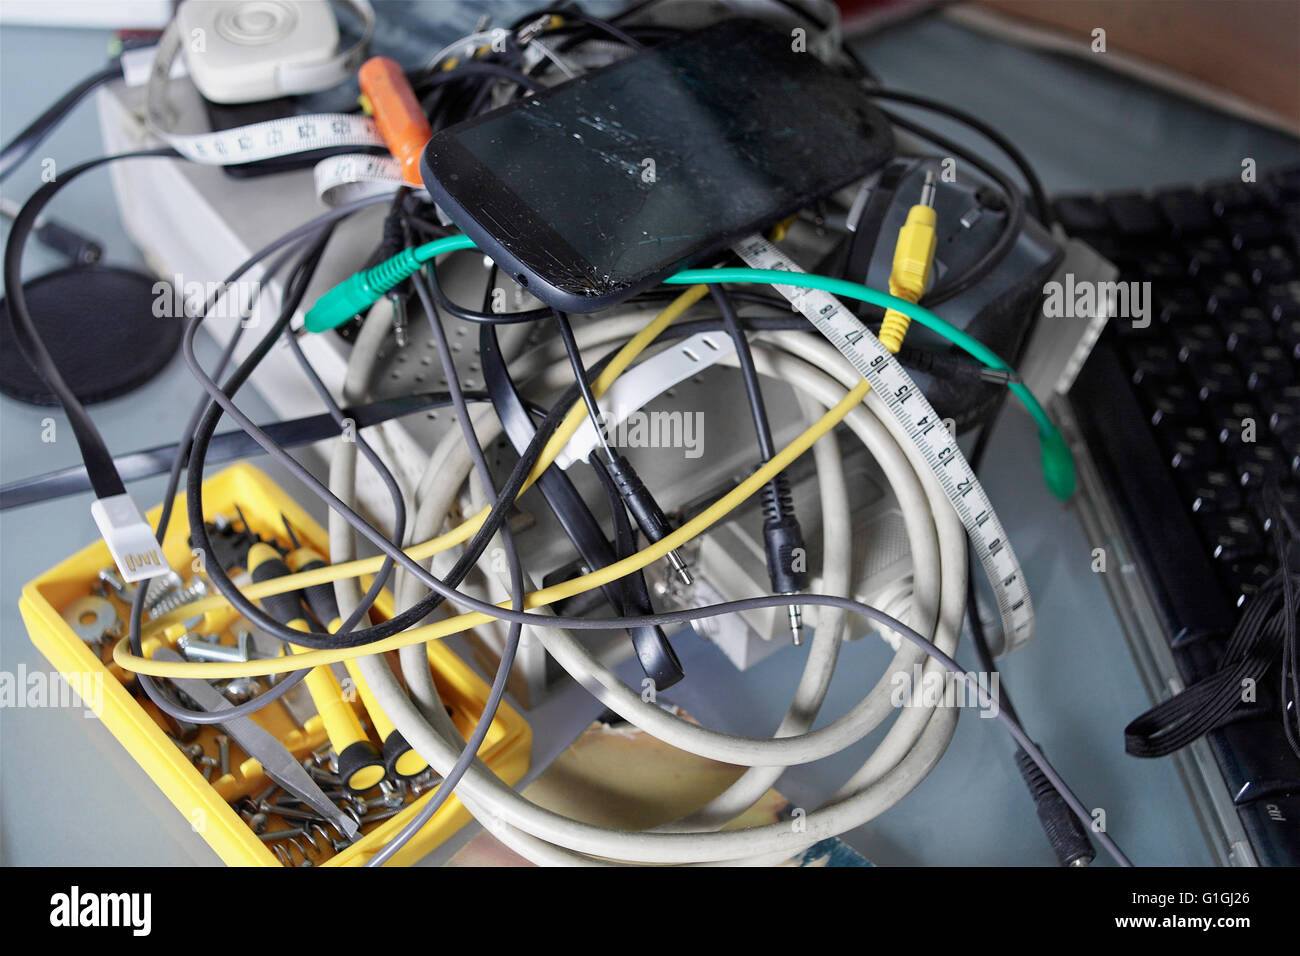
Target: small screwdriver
[
  {"x": 400, "y": 757},
  {"x": 361, "y": 766}
]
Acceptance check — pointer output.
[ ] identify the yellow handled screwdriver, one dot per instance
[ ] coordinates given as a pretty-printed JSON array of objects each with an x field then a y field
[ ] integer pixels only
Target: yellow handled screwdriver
[
  {"x": 361, "y": 766},
  {"x": 400, "y": 757}
]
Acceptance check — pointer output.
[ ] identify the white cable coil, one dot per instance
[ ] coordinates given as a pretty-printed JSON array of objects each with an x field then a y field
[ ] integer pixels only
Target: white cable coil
[{"x": 909, "y": 749}]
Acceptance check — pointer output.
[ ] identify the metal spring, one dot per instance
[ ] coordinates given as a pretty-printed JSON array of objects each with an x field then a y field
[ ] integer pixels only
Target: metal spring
[{"x": 195, "y": 591}]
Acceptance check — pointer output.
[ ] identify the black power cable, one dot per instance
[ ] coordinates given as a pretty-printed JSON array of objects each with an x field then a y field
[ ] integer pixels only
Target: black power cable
[
  {"x": 783, "y": 540},
  {"x": 1042, "y": 208},
  {"x": 99, "y": 463},
  {"x": 296, "y": 287},
  {"x": 25, "y": 143},
  {"x": 628, "y": 594}
]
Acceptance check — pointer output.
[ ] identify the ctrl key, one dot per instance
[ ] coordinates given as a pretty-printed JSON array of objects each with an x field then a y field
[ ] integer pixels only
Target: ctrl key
[{"x": 1273, "y": 826}]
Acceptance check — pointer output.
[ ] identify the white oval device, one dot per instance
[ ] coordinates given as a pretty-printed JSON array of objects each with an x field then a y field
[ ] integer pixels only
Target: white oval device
[{"x": 243, "y": 51}]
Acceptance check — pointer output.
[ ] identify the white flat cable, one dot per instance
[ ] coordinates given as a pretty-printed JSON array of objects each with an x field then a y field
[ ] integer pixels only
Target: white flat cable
[
  {"x": 917, "y": 761},
  {"x": 639, "y": 386}
]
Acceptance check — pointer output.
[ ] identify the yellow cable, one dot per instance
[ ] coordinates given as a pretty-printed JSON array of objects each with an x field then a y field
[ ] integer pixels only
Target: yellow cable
[
  {"x": 464, "y": 531},
  {"x": 913, "y": 258},
  {"x": 558, "y": 592}
]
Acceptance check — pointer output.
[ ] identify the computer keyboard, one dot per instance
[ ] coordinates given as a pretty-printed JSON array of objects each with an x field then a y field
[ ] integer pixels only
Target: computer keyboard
[{"x": 1188, "y": 417}]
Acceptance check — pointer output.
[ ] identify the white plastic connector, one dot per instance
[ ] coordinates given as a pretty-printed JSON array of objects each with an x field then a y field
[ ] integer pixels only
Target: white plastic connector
[{"x": 129, "y": 537}]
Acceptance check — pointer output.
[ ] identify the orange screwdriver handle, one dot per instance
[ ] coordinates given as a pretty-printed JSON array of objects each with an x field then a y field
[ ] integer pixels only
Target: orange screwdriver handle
[{"x": 401, "y": 122}]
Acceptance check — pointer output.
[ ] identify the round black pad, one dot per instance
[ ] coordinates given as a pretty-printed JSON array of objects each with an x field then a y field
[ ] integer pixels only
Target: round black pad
[{"x": 99, "y": 326}]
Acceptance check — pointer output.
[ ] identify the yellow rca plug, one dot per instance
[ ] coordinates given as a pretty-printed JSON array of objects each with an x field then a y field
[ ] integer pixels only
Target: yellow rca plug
[
  {"x": 399, "y": 756},
  {"x": 361, "y": 766},
  {"x": 913, "y": 259}
]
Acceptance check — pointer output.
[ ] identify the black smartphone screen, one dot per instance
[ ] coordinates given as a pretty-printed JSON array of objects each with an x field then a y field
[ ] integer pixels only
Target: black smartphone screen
[{"x": 597, "y": 188}]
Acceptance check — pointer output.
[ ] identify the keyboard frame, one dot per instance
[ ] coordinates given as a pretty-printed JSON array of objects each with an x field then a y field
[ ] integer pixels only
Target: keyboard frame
[{"x": 1134, "y": 597}]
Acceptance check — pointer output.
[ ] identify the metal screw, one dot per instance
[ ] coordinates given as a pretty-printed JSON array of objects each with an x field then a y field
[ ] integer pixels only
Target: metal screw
[
  {"x": 280, "y": 834},
  {"x": 223, "y": 751},
  {"x": 208, "y": 647},
  {"x": 110, "y": 578},
  {"x": 377, "y": 815}
]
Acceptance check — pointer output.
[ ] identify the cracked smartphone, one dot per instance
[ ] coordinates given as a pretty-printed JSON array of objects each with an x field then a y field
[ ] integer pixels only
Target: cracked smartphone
[{"x": 597, "y": 188}]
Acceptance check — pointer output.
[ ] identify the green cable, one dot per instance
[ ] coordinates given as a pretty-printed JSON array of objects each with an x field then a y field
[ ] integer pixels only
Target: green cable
[
  {"x": 1057, "y": 461},
  {"x": 360, "y": 291}
]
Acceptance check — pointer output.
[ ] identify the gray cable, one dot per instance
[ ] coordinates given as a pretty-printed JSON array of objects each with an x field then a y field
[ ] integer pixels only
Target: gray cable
[{"x": 498, "y": 688}]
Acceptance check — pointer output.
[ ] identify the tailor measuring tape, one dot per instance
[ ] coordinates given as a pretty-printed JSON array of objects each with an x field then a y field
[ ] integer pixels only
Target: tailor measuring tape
[
  {"x": 921, "y": 423},
  {"x": 338, "y": 178}
]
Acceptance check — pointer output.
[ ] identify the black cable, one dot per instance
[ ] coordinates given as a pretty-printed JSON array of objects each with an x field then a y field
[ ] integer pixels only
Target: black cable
[
  {"x": 749, "y": 374},
  {"x": 235, "y": 444},
  {"x": 226, "y": 446},
  {"x": 475, "y": 740},
  {"x": 296, "y": 287},
  {"x": 385, "y": 475},
  {"x": 473, "y": 549},
  {"x": 979, "y": 270},
  {"x": 183, "y": 449},
  {"x": 628, "y": 594},
  {"x": 94, "y": 452},
  {"x": 783, "y": 541},
  {"x": 1042, "y": 208},
  {"x": 25, "y": 143},
  {"x": 471, "y": 69},
  {"x": 581, "y": 377},
  {"x": 574, "y": 13}
]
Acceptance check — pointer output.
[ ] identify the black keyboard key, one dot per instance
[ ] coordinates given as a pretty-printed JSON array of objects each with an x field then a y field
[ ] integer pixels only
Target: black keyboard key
[
  {"x": 1230, "y": 197},
  {"x": 1246, "y": 330},
  {"x": 1287, "y": 500},
  {"x": 1209, "y": 255},
  {"x": 1217, "y": 379},
  {"x": 1179, "y": 304},
  {"x": 1281, "y": 300},
  {"x": 1258, "y": 463},
  {"x": 1284, "y": 402},
  {"x": 1134, "y": 215},
  {"x": 1273, "y": 827},
  {"x": 1215, "y": 490},
  {"x": 1162, "y": 265},
  {"x": 1283, "y": 408},
  {"x": 1268, "y": 369},
  {"x": 1152, "y": 360},
  {"x": 1199, "y": 340},
  {"x": 1249, "y": 229},
  {"x": 1241, "y": 579},
  {"x": 1186, "y": 211},
  {"x": 1170, "y": 403},
  {"x": 1226, "y": 292},
  {"x": 1235, "y": 422},
  {"x": 1288, "y": 333},
  {"x": 1256, "y": 760},
  {"x": 1191, "y": 448},
  {"x": 1271, "y": 264},
  {"x": 1231, "y": 537},
  {"x": 1081, "y": 215}
]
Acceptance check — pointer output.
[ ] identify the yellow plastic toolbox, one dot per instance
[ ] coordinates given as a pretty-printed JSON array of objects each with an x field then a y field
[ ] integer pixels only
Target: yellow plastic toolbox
[{"x": 207, "y": 804}]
